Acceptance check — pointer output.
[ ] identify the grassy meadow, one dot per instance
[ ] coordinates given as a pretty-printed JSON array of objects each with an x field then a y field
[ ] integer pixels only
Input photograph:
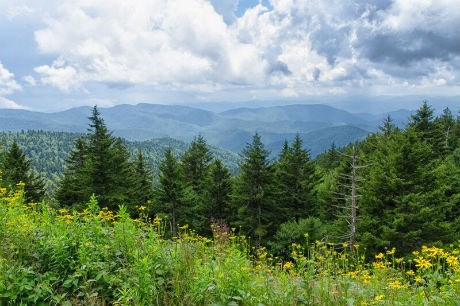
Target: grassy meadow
[{"x": 99, "y": 257}]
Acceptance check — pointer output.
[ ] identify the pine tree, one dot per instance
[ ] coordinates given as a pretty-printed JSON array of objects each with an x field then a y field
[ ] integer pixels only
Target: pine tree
[
  {"x": 445, "y": 139},
  {"x": 17, "y": 169},
  {"x": 170, "y": 190},
  {"x": 422, "y": 122},
  {"x": 142, "y": 191},
  {"x": 253, "y": 191},
  {"x": 100, "y": 165},
  {"x": 195, "y": 165},
  {"x": 295, "y": 180},
  {"x": 74, "y": 188},
  {"x": 219, "y": 187},
  {"x": 388, "y": 127}
]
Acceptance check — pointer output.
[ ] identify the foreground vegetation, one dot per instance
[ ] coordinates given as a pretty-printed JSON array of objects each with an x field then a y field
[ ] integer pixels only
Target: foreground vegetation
[{"x": 97, "y": 257}]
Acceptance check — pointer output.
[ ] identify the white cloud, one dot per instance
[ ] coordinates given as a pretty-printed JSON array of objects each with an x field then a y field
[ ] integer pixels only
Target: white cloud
[
  {"x": 7, "y": 83},
  {"x": 292, "y": 48},
  {"x": 59, "y": 75},
  {"x": 145, "y": 42},
  {"x": 6, "y": 103}
]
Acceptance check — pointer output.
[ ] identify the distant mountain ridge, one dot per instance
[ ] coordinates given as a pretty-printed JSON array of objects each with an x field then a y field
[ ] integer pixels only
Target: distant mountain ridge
[{"x": 319, "y": 125}]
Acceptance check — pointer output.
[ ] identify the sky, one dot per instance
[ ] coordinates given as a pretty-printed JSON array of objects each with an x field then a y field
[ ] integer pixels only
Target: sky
[{"x": 58, "y": 54}]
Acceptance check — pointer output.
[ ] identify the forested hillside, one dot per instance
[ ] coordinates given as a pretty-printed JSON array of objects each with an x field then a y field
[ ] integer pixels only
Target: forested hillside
[
  {"x": 403, "y": 183},
  {"x": 47, "y": 151}
]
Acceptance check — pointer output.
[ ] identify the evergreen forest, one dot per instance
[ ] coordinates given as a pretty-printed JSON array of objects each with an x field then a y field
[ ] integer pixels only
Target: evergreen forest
[{"x": 144, "y": 224}]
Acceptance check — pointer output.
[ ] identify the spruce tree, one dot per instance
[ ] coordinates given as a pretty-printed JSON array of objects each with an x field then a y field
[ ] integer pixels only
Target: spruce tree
[
  {"x": 142, "y": 190},
  {"x": 295, "y": 181},
  {"x": 17, "y": 169},
  {"x": 195, "y": 165},
  {"x": 254, "y": 191},
  {"x": 100, "y": 166},
  {"x": 74, "y": 188},
  {"x": 218, "y": 192},
  {"x": 169, "y": 192}
]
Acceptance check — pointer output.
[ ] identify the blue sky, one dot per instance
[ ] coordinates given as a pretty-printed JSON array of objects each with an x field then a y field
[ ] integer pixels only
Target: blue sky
[{"x": 60, "y": 54}]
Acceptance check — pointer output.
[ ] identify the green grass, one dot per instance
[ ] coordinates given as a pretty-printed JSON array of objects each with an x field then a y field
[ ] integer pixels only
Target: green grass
[{"x": 96, "y": 257}]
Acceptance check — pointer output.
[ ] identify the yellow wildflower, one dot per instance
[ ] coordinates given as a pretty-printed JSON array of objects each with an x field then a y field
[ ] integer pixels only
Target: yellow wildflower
[
  {"x": 396, "y": 284},
  {"x": 379, "y": 256},
  {"x": 379, "y": 297},
  {"x": 422, "y": 263},
  {"x": 391, "y": 252},
  {"x": 288, "y": 265}
]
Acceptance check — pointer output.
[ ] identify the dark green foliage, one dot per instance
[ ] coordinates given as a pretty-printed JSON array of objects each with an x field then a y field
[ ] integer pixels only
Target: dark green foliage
[
  {"x": 142, "y": 190},
  {"x": 195, "y": 166},
  {"x": 169, "y": 192},
  {"x": 254, "y": 191},
  {"x": 300, "y": 232},
  {"x": 98, "y": 165},
  {"x": 17, "y": 170},
  {"x": 48, "y": 151},
  {"x": 75, "y": 185},
  {"x": 218, "y": 192},
  {"x": 295, "y": 180}
]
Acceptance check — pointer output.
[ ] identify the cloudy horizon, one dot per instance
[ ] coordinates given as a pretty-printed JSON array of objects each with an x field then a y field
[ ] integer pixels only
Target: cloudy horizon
[{"x": 61, "y": 54}]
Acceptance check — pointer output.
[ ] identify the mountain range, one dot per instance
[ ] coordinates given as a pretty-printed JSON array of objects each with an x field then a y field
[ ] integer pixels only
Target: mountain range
[{"x": 319, "y": 125}]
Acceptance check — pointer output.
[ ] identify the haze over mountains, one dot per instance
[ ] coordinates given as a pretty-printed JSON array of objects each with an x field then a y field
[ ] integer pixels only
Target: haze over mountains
[{"x": 319, "y": 125}]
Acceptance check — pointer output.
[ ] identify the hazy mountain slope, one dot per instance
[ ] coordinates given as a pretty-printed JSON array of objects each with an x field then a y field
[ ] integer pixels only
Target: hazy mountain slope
[{"x": 230, "y": 129}]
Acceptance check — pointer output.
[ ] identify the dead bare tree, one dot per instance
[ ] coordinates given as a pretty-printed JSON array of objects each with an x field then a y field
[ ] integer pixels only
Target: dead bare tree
[{"x": 350, "y": 195}]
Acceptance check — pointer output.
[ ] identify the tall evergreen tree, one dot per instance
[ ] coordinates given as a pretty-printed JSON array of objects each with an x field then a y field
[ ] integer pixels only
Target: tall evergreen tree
[
  {"x": 195, "y": 165},
  {"x": 422, "y": 122},
  {"x": 219, "y": 187},
  {"x": 98, "y": 166},
  {"x": 74, "y": 188},
  {"x": 295, "y": 181},
  {"x": 170, "y": 190},
  {"x": 446, "y": 139},
  {"x": 253, "y": 191},
  {"x": 17, "y": 169},
  {"x": 142, "y": 191}
]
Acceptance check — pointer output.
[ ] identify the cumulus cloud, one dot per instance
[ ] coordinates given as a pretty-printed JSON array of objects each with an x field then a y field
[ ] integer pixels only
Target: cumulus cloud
[
  {"x": 296, "y": 47},
  {"x": 6, "y": 103},
  {"x": 150, "y": 42},
  {"x": 8, "y": 86}
]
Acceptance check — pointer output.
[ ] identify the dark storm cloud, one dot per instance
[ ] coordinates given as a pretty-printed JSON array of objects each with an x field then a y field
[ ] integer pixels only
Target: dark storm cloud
[{"x": 407, "y": 48}]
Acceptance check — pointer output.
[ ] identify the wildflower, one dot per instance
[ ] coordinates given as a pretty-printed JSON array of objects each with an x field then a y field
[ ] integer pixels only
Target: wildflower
[
  {"x": 288, "y": 265},
  {"x": 396, "y": 284},
  {"x": 183, "y": 227},
  {"x": 379, "y": 256},
  {"x": 378, "y": 265},
  {"x": 157, "y": 220},
  {"x": 391, "y": 252},
  {"x": 422, "y": 263},
  {"x": 410, "y": 273},
  {"x": 142, "y": 208},
  {"x": 418, "y": 279},
  {"x": 452, "y": 261},
  {"x": 379, "y": 297}
]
